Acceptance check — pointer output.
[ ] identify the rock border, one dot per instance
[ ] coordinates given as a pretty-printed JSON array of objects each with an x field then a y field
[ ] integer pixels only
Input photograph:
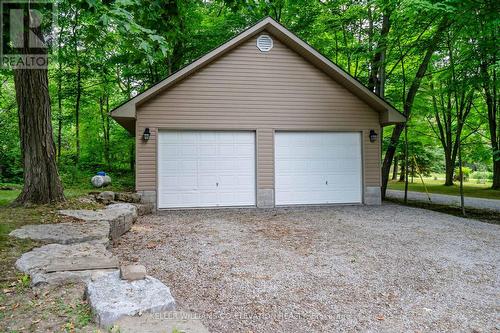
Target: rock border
[{"x": 78, "y": 253}]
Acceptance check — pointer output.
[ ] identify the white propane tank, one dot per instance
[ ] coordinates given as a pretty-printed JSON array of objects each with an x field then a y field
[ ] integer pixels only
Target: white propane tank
[
  {"x": 98, "y": 181},
  {"x": 107, "y": 180}
]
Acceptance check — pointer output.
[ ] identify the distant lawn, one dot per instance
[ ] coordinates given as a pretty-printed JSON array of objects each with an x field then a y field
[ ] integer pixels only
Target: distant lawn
[
  {"x": 471, "y": 188},
  {"x": 6, "y": 197}
]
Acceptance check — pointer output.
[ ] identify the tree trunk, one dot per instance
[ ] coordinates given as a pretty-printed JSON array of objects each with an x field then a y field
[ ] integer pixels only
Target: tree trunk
[
  {"x": 490, "y": 95},
  {"x": 402, "y": 171},
  {"x": 395, "y": 168},
  {"x": 449, "y": 171},
  {"x": 376, "y": 81},
  {"x": 496, "y": 174},
  {"x": 389, "y": 154},
  {"x": 398, "y": 129},
  {"x": 108, "y": 134},
  {"x": 77, "y": 110},
  {"x": 412, "y": 172},
  {"x": 59, "y": 97},
  {"x": 59, "y": 114},
  {"x": 78, "y": 89},
  {"x": 104, "y": 110},
  {"x": 41, "y": 178},
  {"x": 132, "y": 156}
]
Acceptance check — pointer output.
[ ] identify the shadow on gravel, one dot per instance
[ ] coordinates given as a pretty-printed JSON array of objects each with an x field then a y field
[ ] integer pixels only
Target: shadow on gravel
[{"x": 482, "y": 215}]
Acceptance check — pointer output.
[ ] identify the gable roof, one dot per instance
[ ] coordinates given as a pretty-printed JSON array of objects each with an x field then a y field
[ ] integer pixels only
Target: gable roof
[{"x": 125, "y": 114}]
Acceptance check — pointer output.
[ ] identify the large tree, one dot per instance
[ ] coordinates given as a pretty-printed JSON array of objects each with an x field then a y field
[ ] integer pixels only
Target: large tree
[
  {"x": 41, "y": 177},
  {"x": 488, "y": 57},
  {"x": 409, "y": 99},
  {"x": 452, "y": 91}
]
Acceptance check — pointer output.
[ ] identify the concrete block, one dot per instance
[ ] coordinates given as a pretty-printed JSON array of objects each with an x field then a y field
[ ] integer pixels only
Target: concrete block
[
  {"x": 148, "y": 197},
  {"x": 132, "y": 272},
  {"x": 265, "y": 198},
  {"x": 373, "y": 196},
  {"x": 128, "y": 197}
]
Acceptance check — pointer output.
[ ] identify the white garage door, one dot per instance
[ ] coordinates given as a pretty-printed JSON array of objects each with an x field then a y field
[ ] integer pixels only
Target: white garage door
[
  {"x": 206, "y": 169},
  {"x": 317, "y": 168}
]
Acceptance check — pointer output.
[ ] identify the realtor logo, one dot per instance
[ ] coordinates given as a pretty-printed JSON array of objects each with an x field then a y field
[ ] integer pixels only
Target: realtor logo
[{"x": 25, "y": 33}]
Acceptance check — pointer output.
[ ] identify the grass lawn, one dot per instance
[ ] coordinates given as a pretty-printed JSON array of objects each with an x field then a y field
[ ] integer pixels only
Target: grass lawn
[{"x": 471, "y": 188}]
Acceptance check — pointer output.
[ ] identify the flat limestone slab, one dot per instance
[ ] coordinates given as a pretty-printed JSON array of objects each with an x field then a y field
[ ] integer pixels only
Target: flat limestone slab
[
  {"x": 111, "y": 298},
  {"x": 161, "y": 322},
  {"x": 44, "y": 264},
  {"x": 65, "y": 233},
  {"x": 120, "y": 217}
]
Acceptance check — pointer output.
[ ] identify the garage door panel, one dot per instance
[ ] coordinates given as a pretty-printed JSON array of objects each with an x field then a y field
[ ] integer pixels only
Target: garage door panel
[
  {"x": 225, "y": 165},
  {"x": 187, "y": 199},
  {"x": 207, "y": 165},
  {"x": 208, "y": 137},
  {"x": 209, "y": 150},
  {"x": 245, "y": 164},
  {"x": 245, "y": 181},
  {"x": 187, "y": 150},
  {"x": 235, "y": 182},
  {"x": 224, "y": 150},
  {"x": 317, "y": 167},
  {"x": 169, "y": 150},
  {"x": 240, "y": 198},
  {"x": 206, "y": 168},
  {"x": 245, "y": 149},
  {"x": 207, "y": 181}
]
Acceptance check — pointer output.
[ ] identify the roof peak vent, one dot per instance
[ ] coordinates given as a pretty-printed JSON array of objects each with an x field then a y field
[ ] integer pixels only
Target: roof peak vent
[{"x": 264, "y": 43}]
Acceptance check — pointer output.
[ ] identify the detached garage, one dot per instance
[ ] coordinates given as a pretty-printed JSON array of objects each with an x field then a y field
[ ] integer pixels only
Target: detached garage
[{"x": 263, "y": 120}]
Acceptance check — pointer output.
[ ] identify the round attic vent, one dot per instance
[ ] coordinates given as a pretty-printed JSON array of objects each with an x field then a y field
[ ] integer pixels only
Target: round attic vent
[{"x": 264, "y": 43}]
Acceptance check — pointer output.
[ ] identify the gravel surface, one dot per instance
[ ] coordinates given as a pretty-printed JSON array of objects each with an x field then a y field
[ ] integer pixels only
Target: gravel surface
[
  {"x": 353, "y": 268},
  {"x": 444, "y": 199}
]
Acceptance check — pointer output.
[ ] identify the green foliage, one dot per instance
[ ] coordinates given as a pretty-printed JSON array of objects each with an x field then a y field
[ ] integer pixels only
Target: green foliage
[
  {"x": 466, "y": 172},
  {"x": 121, "y": 180},
  {"x": 105, "y": 52},
  {"x": 482, "y": 175},
  {"x": 23, "y": 283}
]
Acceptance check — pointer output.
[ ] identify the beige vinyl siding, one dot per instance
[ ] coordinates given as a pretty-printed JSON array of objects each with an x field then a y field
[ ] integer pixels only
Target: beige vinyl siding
[
  {"x": 263, "y": 92},
  {"x": 145, "y": 164},
  {"x": 265, "y": 158}
]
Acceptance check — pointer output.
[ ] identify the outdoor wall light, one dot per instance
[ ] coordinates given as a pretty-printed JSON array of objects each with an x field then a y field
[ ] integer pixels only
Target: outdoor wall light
[
  {"x": 147, "y": 134},
  {"x": 373, "y": 136}
]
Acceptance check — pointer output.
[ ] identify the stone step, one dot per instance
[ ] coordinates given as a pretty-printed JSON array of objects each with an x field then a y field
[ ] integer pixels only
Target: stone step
[
  {"x": 40, "y": 262},
  {"x": 65, "y": 233},
  {"x": 112, "y": 298},
  {"x": 120, "y": 217},
  {"x": 83, "y": 264}
]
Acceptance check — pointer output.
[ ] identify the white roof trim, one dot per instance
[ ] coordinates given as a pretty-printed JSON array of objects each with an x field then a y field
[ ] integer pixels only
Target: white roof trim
[{"x": 388, "y": 113}]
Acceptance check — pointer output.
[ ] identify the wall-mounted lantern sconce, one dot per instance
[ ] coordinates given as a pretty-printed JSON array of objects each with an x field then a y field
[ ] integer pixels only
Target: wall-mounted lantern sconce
[
  {"x": 373, "y": 136},
  {"x": 147, "y": 134}
]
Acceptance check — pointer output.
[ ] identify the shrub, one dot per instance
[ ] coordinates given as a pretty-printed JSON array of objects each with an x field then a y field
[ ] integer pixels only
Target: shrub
[
  {"x": 465, "y": 171},
  {"x": 482, "y": 175}
]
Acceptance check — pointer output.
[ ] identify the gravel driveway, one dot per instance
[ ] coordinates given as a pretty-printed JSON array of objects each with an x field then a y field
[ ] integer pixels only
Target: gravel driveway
[{"x": 324, "y": 269}]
